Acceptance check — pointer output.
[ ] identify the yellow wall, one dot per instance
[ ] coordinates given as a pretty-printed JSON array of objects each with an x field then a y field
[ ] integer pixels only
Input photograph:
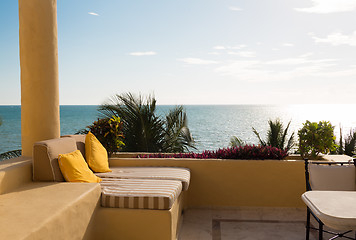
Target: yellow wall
[
  {"x": 231, "y": 183},
  {"x": 39, "y": 72}
]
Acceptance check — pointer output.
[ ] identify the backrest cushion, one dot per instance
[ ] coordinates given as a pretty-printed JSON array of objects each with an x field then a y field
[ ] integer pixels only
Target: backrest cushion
[
  {"x": 80, "y": 141},
  {"x": 45, "y": 158},
  {"x": 332, "y": 177},
  {"x": 96, "y": 154}
]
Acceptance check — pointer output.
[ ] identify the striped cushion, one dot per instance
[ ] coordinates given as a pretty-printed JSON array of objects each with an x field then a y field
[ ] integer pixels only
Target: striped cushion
[
  {"x": 163, "y": 173},
  {"x": 139, "y": 193}
]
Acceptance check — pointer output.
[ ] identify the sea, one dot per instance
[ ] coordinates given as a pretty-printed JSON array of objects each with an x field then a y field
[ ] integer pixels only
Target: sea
[{"x": 211, "y": 126}]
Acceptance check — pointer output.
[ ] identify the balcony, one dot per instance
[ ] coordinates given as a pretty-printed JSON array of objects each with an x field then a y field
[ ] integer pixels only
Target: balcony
[{"x": 227, "y": 199}]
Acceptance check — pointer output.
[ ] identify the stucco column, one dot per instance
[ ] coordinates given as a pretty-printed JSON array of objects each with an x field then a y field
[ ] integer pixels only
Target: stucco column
[{"x": 39, "y": 72}]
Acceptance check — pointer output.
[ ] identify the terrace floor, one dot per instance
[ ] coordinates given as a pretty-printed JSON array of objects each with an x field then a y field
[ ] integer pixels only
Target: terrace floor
[{"x": 247, "y": 223}]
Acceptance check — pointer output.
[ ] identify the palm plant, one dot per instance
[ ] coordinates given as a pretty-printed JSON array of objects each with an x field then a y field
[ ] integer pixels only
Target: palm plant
[
  {"x": 177, "y": 136},
  {"x": 9, "y": 154},
  {"x": 348, "y": 145},
  {"x": 143, "y": 130},
  {"x": 276, "y": 135},
  {"x": 237, "y": 142}
]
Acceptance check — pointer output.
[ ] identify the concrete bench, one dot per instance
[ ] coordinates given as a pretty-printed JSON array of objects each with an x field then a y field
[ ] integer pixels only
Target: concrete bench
[
  {"x": 43, "y": 210},
  {"x": 48, "y": 211},
  {"x": 110, "y": 223}
]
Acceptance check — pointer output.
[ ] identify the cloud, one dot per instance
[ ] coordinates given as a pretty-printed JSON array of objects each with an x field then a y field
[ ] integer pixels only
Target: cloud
[
  {"x": 93, "y": 13},
  {"x": 300, "y": 67},
  {"x": 336, "y": 39},
  {"x": 219, "y": 48},
  {"x": 213, "y": 53},
  {"x": 150, "y": 53},
  {"x": 303, "y": 59},
  {"x": 197, "y": 61},
  {"x": 239, "y": 46},
  {"x": 288, "y": 44},
  {"x": 235, "y": 9},
  {"x": 246, "y": 54},
  {"x": 329, "y": 6}
]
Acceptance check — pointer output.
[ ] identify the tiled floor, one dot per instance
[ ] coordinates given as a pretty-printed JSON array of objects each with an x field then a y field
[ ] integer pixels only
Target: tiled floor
[{"x": 245, "y": 223}]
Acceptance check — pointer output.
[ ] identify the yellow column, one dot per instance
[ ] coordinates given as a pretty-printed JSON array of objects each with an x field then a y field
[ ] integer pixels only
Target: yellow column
[{"x": 39, "y": 72}]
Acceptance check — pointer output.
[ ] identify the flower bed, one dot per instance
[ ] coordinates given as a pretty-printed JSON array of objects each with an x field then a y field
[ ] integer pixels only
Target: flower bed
[{"x": 242, "y": 152}]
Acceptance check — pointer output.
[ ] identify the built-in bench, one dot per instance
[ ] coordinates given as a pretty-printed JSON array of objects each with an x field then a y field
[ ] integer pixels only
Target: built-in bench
[
  {"x": 49, "y": 208},
  {"x": 48, "y": 211}
]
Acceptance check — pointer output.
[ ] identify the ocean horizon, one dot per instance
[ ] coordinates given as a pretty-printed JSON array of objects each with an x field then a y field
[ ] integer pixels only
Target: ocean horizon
[{"x": 212, "y": 126}]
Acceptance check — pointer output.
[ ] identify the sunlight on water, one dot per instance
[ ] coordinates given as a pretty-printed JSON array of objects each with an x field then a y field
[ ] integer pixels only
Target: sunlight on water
[
  {"x": 212, "y": 126},
  {"x": 339, "y": 115}
]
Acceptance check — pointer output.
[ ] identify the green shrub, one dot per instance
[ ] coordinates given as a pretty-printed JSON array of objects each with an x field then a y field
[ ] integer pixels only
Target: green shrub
[
  {"x": 109, "y": 132},
  {"x": 316, "y": 138}
]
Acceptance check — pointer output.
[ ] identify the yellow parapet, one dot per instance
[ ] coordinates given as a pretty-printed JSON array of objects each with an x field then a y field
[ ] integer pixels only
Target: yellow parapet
[{"x": 217, "y": 183}]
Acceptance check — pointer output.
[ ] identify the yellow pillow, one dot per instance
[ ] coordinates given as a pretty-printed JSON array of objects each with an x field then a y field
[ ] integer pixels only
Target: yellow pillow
[
  {"x": 75, "y": 169},
  {"x": 96, "y": 155}
]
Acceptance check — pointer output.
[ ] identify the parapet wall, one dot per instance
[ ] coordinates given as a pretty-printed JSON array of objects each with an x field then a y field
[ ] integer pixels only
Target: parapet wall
[{"x": 233, "y": 183}]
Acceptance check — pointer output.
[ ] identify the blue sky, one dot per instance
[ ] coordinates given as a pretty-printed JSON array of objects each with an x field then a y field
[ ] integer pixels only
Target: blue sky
[{"x": 196, "y": 52}]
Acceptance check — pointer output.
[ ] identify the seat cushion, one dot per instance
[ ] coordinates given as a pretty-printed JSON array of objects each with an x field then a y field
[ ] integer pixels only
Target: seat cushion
[
  {"x": 139, "y": 193},
  {"x": 162, "y": 173},
  {"x": 45, "y": 158},
  {"x": 336, "y": 209}
]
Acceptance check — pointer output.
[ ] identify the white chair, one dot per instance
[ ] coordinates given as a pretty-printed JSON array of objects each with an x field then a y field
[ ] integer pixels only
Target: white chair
[{"x": 331, "y": 197}]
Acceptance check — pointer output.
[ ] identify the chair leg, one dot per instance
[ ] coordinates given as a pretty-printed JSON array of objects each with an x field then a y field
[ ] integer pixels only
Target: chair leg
[
  {"x": 307, "y": 228},
  {"x": 320, "y": 231}
]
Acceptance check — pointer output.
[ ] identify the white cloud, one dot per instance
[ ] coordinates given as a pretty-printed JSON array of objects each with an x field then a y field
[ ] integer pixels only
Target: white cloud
[
  {"x": 239, "y": 46},
  {"x": 219, "y": 48},
  {"x": 329, "y": 6},
  {"x": 308, "y": 54},
  {"x": 275, "y": 49},
  {"x": 301, "y": 67},
  {"x": 235, "y": 9},
  {"x": 288, "y": 44},
  {"x": 298, "y": 61},
  {"x": 197, "y": 61},
  {"x": 93, "y": 13},
  {"x": 149, "y": 53},
  {"x": 336, "y": 39},
  {"x": 247, "y": 54},
  {"x": 214, "y": 53}
]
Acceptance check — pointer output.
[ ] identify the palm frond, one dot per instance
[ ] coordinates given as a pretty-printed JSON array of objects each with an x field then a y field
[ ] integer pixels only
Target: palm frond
[
  {"x": 350, "y": 143},
  {"x": 236, "y": 142},
  {"x": 143, "y": 129},
  {"x": 290, "y": 142},
  {"x": 263, "y": 143},
  {"x": 177, "y": 134},
  {"x": 277, "y": 135},
  {"x": 274, "y": 133},
  {"x": 10, "y": 154}
]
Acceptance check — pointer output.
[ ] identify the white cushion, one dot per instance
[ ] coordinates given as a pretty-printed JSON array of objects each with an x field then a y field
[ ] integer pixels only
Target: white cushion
[
  {"x": 332, "y": 177},
  {"x": 336, "y": 209}
]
